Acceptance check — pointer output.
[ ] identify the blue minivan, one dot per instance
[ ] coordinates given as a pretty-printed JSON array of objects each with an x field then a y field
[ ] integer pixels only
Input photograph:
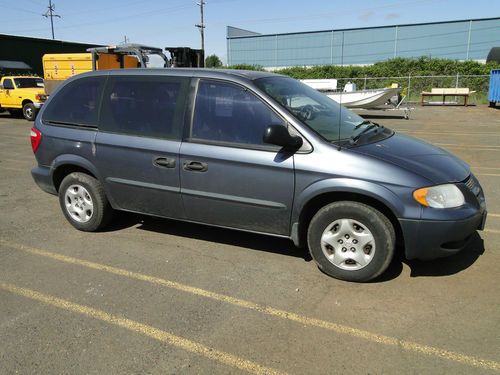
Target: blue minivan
[{"x": 257, "y": 152}]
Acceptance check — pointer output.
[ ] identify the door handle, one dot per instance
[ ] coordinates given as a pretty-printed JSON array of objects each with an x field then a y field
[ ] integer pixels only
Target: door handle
[
  {"x": 164, "y": 162},
  {"x": 196, "y": 166}
]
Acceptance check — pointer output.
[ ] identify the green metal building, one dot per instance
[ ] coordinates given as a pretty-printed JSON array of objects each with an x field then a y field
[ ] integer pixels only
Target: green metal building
[{"x": 31, "y": 50}]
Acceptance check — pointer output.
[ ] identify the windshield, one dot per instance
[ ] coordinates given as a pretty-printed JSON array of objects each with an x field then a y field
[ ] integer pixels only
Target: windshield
[
  {"x": 322, "y": 114},
  {"x": 23, "y": 83}
]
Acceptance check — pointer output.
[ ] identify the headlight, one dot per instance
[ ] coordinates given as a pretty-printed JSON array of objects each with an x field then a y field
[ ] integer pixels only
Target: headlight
[{"x": 441, "y": 196}]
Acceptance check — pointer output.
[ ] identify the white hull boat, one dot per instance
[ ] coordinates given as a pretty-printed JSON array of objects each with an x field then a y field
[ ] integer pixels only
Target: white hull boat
[
  {"x": 379, "y": 99},
  {"x": 363, "y": 98},
  {"x": 350, "y": 97}
]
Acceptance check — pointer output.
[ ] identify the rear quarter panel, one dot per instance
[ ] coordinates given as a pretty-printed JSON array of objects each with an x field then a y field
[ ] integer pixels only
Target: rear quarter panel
[{"x": 66, "y": 145}]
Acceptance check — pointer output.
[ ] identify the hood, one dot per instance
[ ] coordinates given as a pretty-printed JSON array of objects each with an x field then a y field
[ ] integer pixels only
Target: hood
[{"x": 417, "y": 156}]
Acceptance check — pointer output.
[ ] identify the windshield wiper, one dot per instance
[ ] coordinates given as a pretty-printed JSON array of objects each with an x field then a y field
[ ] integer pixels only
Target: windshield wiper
[
  {"x": 354, "y": 139},
  {"x": 364, "y": 122}
]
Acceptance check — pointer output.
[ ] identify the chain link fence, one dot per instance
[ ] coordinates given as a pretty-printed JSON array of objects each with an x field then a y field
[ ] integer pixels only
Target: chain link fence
[{"x": 412, "y": 86}]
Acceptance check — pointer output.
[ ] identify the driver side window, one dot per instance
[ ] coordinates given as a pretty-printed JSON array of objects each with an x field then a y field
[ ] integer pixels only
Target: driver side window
[
  {"x": 7, "y": 84},
  {"x": 230, "y": 113}
]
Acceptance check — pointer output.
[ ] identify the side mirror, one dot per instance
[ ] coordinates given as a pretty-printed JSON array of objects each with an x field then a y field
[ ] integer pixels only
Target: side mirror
[
  {"x": 279, "y": 135},
  {"x": 1, "y": 86},
  {"x": 7, "y": 86}
]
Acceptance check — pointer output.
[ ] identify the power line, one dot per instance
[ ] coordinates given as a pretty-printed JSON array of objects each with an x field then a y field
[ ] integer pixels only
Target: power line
[
  {"x": 21, "y": 10},
  {"x": 157, "y": 12},
  {"x": 33, "y": 2},
  {"x": 113, "y": 7},
  {"x": 304, "y": 17},
  {"x": 50, "y": 13}
]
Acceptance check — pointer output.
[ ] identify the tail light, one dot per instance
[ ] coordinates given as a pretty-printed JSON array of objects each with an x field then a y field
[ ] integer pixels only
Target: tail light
[{"x": 36, "y": 138}]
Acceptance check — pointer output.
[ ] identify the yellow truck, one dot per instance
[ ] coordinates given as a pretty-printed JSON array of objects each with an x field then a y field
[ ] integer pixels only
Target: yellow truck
[
  {"x": 24, "y": 94},
  {"x": 58, "y": 67}
]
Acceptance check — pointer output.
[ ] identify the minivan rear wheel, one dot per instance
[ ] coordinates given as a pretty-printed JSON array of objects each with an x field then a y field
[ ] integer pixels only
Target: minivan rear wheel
[
  {"x": 84, "y": 202},
  {"x": 351, "y": 241}
]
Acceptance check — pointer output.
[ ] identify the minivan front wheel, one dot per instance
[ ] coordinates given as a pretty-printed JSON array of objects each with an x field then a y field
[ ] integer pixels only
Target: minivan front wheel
[
  {"x": 351, "y": 241},
  {"x": 84, "y": 202}
]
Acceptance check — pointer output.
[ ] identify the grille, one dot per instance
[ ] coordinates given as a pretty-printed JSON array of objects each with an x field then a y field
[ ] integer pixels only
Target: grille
[{"x": 473, "y": 185}]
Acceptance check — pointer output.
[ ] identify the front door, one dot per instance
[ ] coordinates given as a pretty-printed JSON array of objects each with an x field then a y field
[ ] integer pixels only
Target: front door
[
  {"x": 6, "y": 93},
  {"x": 229, "y": 177},
  {"x": 138, "y": 143}
]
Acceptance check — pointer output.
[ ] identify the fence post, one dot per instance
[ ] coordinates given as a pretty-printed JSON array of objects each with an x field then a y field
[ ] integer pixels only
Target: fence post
[
  {"x": 409, "y": 85},
  {"x": 276, "y": 50},
  {"x": 456, "y": 82},
  {"x": 331, "y": 48},
  {"x": 364, "y": 88}
]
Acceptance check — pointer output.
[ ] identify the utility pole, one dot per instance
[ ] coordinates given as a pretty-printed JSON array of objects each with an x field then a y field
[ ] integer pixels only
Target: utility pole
[
  {"x": 50, "y": 13},
  {"x": 201, "y": 25}
]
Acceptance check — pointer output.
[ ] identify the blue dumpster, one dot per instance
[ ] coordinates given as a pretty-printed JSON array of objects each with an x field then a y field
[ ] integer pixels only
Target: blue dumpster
[{"x": 494, "y": 92}]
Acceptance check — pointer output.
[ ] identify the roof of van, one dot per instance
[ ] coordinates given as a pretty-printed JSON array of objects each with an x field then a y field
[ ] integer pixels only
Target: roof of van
[
  {"x": 188, "y": 72},
  {"x": 249, "y": 74}
]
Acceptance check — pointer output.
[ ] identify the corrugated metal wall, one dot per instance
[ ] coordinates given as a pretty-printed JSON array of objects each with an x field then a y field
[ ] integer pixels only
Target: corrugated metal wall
[
  {"x": 31, "y": 50},
  {"x": 468, "y": 39}
]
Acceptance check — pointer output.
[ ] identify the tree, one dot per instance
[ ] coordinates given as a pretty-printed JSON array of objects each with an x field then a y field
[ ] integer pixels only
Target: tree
[{"x": 213, "y": 61}]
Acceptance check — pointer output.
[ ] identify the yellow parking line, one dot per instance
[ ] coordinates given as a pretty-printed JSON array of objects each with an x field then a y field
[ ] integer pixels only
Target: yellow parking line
[
  {"x": 449, "y": 133},
  {"x": 146, "y": 330},
  {"x": 487, "y": 174},
  {"x": 465, "y": 147},
  {"x": 493, "y": 215},
  {"x": 14, "y": 169},
  {"x": 491, "y": 231},
  {"x": 24, "y": 137},
  {"x": 283, "y": 314},
  {"x": 26, "y": 160}
]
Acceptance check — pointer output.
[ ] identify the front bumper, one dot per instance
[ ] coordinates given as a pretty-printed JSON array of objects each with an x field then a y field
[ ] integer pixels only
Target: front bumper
[
  {"x": 431, "y": 239},
  {"x": 38, "y": 105}
]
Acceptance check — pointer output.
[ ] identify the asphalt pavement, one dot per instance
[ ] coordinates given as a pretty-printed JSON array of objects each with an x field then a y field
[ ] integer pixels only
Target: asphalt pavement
[{"x": 150, "y": 295}]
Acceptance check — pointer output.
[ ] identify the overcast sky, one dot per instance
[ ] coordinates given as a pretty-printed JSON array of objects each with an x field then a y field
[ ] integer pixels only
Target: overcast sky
[{"x": 164, "y": 23}]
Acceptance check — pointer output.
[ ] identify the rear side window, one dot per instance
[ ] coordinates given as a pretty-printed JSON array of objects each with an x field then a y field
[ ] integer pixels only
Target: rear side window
[
  {"x": 225, "y": 112},
  {"x": 144, "y": 106},
  {"x": 77, "y": 103}
]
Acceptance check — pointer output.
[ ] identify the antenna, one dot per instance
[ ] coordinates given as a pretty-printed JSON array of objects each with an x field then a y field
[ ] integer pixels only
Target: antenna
[
  {"x": 50, "y": 13},
  {"x": 201, "y": 25}
]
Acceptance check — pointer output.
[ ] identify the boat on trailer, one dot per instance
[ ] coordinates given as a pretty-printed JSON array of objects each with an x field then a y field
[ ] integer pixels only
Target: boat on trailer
[
  {"x": 365, "y": 98},
  {"x": 360, "y": 99}
]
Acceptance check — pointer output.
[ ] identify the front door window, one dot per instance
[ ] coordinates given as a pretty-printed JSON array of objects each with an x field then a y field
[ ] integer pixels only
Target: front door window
[{"x": 226, "y": 112}]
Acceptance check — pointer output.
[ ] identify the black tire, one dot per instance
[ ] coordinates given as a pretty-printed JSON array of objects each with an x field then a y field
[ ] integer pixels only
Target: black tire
[
  {"x": 29, "y": 111},
  {"x": 88, "y": 215},
  {"x": 493, "y": 104},
  {"x": 365, "y": 219}
]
